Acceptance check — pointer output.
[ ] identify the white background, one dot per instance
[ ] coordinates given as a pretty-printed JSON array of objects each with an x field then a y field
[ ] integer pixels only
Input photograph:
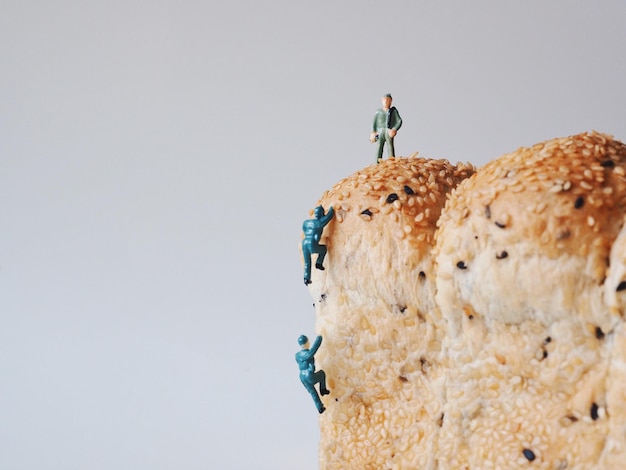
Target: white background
[{"x": 157, "y": 159}]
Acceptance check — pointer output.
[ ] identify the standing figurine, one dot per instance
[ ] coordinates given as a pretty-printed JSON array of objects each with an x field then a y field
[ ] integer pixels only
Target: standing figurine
[
  {"x": 313, "y": 229},
  {"x": 387, "y": 121},
  {"x": 308, "y": 376}
]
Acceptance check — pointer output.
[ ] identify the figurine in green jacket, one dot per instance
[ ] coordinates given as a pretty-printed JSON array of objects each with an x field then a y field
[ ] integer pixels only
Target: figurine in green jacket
[{"x": 387, "y": 121}]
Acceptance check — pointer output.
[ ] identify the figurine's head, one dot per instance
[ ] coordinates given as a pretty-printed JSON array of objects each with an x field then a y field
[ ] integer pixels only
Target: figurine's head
[
  {"x": 387, "y": 99},
  {"x": 319, "y": 212},
  {"x": 303, "y": 340}
]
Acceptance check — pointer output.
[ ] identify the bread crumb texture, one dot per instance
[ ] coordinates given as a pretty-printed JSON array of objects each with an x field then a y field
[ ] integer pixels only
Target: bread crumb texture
[{"x": 474, "y": 319}]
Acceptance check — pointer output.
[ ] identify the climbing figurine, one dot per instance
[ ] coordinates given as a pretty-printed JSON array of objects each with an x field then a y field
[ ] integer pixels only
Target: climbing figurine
[
  {"x": 313, "y": 229},
  {"x": 387, "y": 122},
  {"x": 308, "y": 376}
]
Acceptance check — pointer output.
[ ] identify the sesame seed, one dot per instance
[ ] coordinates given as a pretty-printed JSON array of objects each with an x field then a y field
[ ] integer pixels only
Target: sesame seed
[{"x": 594, "y": 411}]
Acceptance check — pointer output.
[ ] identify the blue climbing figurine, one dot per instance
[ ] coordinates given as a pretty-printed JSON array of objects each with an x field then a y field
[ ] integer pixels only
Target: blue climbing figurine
[
  {"x": 308, "y": 376},
  {"x": 313, "y": 229}
]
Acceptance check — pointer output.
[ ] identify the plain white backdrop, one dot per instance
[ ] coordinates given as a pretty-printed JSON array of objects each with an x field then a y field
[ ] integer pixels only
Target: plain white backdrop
[{"x": 157, "y": 159}]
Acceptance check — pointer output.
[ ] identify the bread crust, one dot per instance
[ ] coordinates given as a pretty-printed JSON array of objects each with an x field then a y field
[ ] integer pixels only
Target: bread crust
[{"x": 478, "y": 322}]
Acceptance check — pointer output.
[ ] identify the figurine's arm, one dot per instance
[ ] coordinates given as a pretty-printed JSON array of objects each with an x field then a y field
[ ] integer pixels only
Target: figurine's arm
[
  {"x": 329, "y": 215},
  {"x": 316, "y": 345},
  {"x": 374, "y": 132},
  {"x": 397, "y": 120}
]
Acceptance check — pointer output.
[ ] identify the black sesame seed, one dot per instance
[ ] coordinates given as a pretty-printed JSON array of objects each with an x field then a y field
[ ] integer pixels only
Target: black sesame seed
[
  {"x": 545, "y": 353},
  {"x": 391, "y": 198},
  {"x": 548, "y": 339},
  {"x": 500, "y": 224},
  {"x": 580, "y": 201},
  {"x": 529, "y": 454},
  {"x": 594, "y": 411},
  {"x": 502, "y": 255},
  {"x": 403, "y": 378},
  {"x": 422, "y": 275},
  {"x": 488, "y": 212},
  {"x": 367, "y": 212},
  {"x": 471, "y": 317},
  {"x": 461, "y": 265},
  {"x": 599, "y": 333},
  {"x": 608, "y": 163},
  {"x": 621, "y": 286},
  {"x": 402, "y": 308},
  {"x": 408, "y": 190}
]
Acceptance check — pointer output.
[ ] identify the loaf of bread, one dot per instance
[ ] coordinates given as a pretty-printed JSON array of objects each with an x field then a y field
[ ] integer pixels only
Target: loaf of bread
[{"x": 474, "y": 318}]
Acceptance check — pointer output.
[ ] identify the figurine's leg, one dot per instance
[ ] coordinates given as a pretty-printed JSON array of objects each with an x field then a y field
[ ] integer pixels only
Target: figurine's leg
[
  {"x": 316, "y": 398},
  {"x": 306, "y": 252},
  {"x": 319, "y": 264},
  {"x": 390, "y": 148},
  {"x": 320, "y": 377},
  {"x": 381, "y": 144}
]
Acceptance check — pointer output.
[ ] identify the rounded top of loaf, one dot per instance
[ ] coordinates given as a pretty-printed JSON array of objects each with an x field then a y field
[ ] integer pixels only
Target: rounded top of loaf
[
  {"x": 407, "y": 193},
  {"x": 564, "y": 194},
  {"x": 530, "y": 233},
  {"x": 385, "y": 217}
]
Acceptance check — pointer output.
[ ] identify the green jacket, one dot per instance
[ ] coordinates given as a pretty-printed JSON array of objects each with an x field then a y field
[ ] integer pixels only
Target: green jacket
[{"x": 387, "y": 119}]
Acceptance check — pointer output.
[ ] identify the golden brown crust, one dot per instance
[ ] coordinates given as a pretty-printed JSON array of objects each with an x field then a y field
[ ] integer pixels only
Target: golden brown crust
[
  {"x": 409, "y": 192},
  {"x": 386, "y": 215},
  {"x": 568, "y": 194},
  {"x": 560, "y": 200}
]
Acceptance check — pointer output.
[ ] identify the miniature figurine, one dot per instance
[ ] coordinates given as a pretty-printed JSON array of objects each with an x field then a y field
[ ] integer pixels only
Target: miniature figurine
[
  {"x": 387, "y": 121},
  {"x": 313, "y": 229},
  {"x": 308, "y": 375}
]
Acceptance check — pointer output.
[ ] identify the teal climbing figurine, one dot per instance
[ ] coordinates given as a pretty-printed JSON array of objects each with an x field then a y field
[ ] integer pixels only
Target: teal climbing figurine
[
  {"x": 313, "y": 229},
  {"x": 387, "y": 122},
  {"x": 308, "y": 375}
]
